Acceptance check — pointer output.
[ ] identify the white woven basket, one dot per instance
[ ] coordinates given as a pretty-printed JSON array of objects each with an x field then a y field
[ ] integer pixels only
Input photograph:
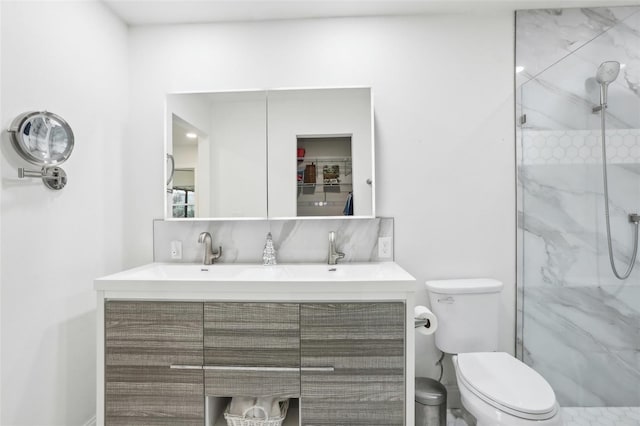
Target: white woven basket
[{"x": 235, "y": 420}]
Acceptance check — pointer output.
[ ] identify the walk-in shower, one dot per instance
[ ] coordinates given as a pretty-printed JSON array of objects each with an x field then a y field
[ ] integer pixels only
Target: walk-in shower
[
  {"x": 578, "y": 304},
  {"x": 606, "y": 74}
]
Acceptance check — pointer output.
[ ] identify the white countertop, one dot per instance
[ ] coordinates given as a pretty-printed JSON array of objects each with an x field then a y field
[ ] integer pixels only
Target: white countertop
[{"x": 158, "y": 278}]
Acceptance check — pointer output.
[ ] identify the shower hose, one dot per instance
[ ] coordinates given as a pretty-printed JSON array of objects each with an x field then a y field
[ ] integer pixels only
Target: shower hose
[{"x": 632, "y": 218}]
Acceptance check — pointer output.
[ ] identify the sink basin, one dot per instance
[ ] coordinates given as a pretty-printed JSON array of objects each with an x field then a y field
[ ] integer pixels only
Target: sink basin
[
  {"x": 173, "y": 272},
  {"x": 184, "y": 272}
]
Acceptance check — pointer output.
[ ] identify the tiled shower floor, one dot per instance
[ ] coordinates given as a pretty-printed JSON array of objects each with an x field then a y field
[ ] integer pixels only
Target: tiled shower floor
[
  {"x": 579, "y": 416},
  {"x": 601, "y": 416}
]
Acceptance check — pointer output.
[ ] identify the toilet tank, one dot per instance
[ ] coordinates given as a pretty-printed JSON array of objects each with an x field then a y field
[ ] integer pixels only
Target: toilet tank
[{"x": 467, "y": 312}]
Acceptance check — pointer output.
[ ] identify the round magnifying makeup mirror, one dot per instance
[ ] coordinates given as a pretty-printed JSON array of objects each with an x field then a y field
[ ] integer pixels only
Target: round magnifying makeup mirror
[{"x": 42, "y": 138}]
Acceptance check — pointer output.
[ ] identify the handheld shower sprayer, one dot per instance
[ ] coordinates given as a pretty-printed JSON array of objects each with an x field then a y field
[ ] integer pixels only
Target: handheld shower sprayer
[{"x": 607, "y": 73}]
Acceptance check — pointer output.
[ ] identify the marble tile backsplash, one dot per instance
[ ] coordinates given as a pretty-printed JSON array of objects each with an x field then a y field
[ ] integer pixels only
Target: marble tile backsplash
[{"x": 295, "y": 241}]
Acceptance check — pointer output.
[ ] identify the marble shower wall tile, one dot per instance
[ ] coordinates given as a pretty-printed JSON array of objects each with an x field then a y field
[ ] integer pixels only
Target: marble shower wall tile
[
  {"x": 584, "y": 341},
  {"x": 545, "y": 36},
  {"x": 560, "y": 50},
  {"x": 576, "y": 323},
  {"x": 296, "y": 241},
  {"x": 563, "y": 95},
  {"x": 580, "y": 326},
  {"x": 563, "y": 224},
  {"x": 580, "y": 146}
]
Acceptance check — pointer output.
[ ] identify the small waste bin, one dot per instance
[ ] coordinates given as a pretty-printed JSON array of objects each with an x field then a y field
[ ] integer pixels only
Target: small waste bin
[{"x": 431, "y": 402}]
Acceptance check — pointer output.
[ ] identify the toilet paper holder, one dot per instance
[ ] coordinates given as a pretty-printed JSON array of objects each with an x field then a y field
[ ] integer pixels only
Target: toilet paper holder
[
  {"x": 425, "y": 321},
  {"x": 420, "y": 322}
]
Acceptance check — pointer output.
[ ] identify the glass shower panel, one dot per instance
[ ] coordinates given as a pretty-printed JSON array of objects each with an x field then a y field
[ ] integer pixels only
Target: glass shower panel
[{"x": 580, "y": 325}]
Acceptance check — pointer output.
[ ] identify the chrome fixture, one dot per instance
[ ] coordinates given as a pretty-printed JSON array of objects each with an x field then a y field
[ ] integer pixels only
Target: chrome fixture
[
  {"x": 44, "y": 139},
  {"x": 52, "y": 177},
  {"x": 334, "y": 255},
  {"x": 269, "y": 252},
  {"x": 607, "y": 72},
  {"x": 209, "y": 255},
  {"x": 421, "y": 322}
]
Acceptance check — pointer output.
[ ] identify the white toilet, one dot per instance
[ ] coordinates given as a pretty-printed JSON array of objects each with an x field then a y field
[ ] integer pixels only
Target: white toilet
[{"x": 496, "y": 388}]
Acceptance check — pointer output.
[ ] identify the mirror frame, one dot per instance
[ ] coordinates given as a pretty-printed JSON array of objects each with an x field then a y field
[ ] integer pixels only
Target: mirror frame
[{"x": 23, "y": 124}]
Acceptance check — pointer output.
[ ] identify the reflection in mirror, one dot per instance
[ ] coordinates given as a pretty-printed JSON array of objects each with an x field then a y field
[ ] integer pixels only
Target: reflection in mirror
[
  {"x": 184, "y": 200},
  {"x": 334, "y": 127},
  {"x": 325, "y": 187},
  {"x": 188, "y": 144},
  {"x": 226, "y": 150}
]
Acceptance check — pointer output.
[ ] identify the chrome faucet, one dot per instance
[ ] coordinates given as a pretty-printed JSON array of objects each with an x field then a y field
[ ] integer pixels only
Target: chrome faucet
[
  {"x": 209, "y": 254},
  {"x": 334, "y": 255}
]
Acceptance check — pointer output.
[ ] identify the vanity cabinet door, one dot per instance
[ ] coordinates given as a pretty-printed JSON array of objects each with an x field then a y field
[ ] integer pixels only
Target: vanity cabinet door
[
  {"x": 142, "y": 341},
  {"x": 363, "y": 343},
  {"x": 252, "y": 349}
]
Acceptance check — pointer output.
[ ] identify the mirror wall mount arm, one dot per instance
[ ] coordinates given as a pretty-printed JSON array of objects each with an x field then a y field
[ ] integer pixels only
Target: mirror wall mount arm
[{"x": 53, "y": 177}]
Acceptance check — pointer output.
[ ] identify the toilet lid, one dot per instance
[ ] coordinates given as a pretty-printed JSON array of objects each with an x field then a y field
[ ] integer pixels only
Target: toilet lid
[{"x": 506, "y": 381}]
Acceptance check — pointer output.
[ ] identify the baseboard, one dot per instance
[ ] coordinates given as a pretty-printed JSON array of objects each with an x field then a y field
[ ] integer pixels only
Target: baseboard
[{"x": 90, "y": 422}]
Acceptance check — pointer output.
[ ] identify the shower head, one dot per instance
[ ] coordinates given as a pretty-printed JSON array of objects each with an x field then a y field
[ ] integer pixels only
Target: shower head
[{"x": 607, "y": 72}]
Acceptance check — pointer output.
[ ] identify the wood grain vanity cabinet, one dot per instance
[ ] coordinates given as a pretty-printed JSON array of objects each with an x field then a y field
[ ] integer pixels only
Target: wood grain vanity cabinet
[
  {"x": 344, "y": 361},
  {"x": 364, "y": 344},
  {"x": 252, "y": 349},
  {"x": 142, "y": 341}
]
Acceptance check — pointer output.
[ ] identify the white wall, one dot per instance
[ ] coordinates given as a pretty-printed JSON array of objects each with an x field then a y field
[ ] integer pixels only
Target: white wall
[
  {"x": 186, "y": 156},
  {"x": 69, "y": 58},
  {"x": 238, "y": 123},
  {"x": 443, "y": 98},
  {"x": 1, "y": 363}
]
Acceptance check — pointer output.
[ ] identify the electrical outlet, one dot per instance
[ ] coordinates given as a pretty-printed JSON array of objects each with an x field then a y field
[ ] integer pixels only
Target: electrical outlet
[
  {"x": 384, "y": 247},
  {"x": 176, "y": 250}
]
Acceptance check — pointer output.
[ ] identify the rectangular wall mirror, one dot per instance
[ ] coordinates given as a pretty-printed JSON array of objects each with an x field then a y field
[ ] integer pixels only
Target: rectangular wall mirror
[{"x": 282, "y": 153}]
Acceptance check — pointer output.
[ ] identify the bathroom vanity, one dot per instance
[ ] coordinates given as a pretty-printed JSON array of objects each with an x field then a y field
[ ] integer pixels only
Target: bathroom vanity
[{"x": 175, "y": 341}]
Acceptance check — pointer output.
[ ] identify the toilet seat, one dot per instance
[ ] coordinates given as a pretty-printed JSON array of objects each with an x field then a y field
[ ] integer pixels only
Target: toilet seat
[{"x": 507, "y": 384}]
